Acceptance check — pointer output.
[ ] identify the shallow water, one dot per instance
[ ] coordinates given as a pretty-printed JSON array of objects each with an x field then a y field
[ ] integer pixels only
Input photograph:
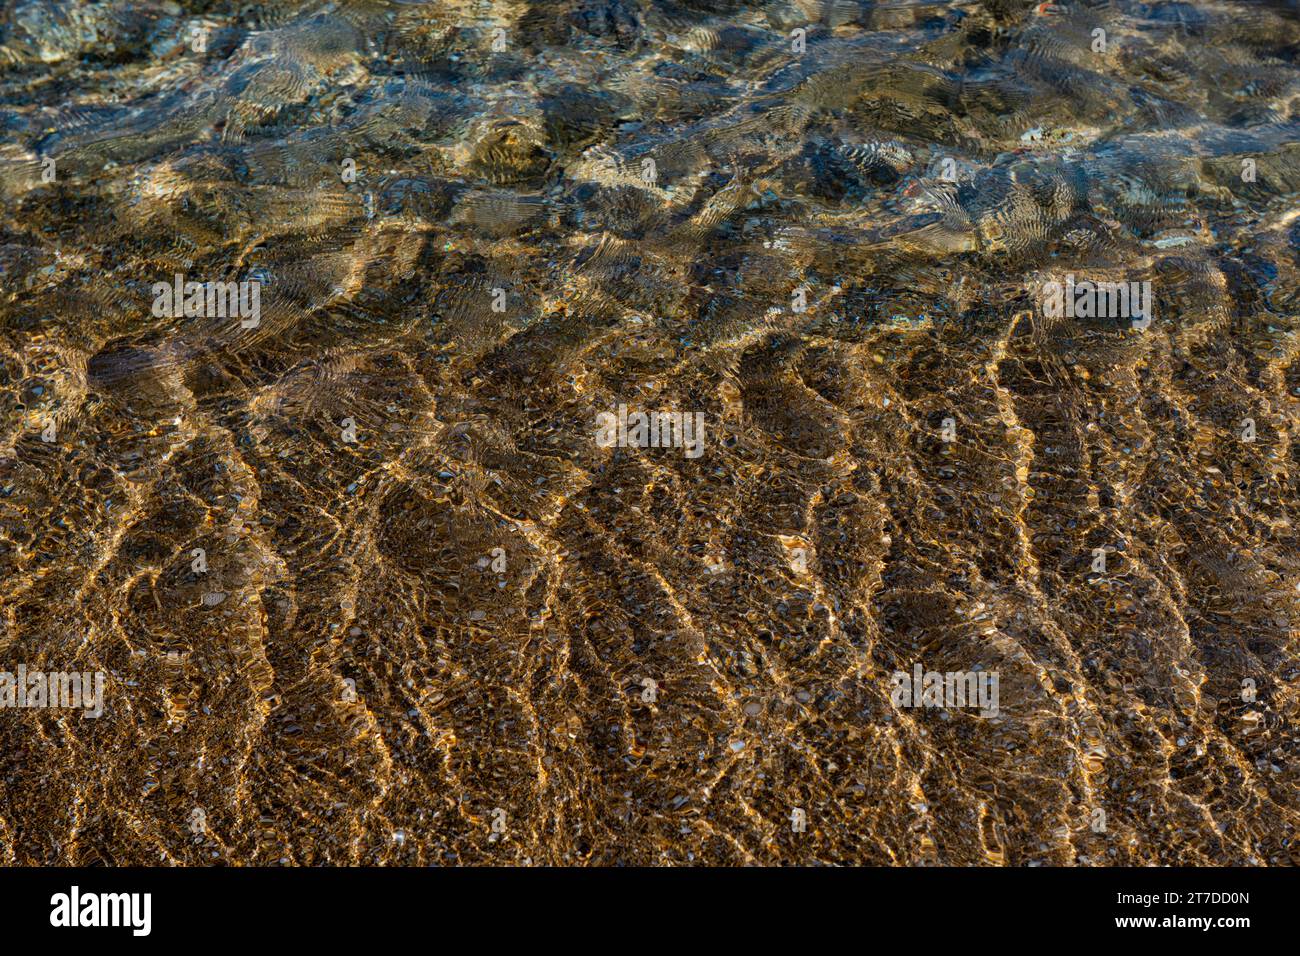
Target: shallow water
[{"x": 831, "y": 244}]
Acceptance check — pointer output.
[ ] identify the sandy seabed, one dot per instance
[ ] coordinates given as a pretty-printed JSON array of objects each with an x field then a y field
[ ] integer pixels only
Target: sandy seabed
[{"x": 367, "y": 584}]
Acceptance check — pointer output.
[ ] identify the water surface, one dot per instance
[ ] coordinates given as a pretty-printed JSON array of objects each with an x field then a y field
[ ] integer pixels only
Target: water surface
[{"x": 832, "y": 244}]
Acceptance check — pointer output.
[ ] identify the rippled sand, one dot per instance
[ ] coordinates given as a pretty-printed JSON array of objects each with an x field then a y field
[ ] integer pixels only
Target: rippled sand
[{"x": 669, "y": 655}]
